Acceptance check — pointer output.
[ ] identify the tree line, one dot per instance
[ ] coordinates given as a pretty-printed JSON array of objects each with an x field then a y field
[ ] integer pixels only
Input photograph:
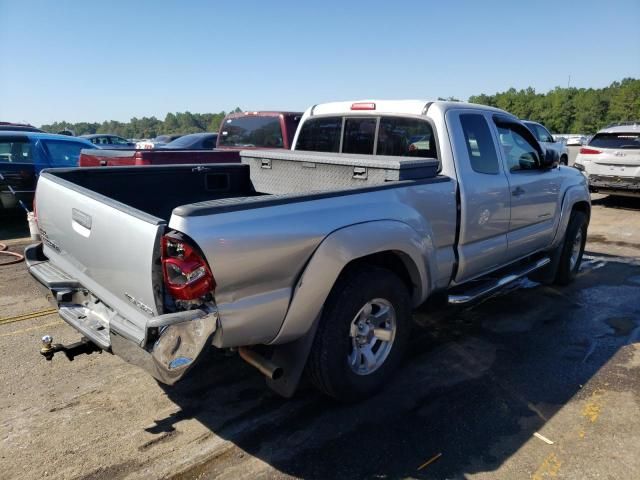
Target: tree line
[
  {"x": 571, "y": 110},
  {"x": 147, "y": 127},
  {"x": 561, "y": 110}
]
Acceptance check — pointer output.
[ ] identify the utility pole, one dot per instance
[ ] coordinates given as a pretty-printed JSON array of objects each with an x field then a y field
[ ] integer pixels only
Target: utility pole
[{"x": 569, "y": 82}]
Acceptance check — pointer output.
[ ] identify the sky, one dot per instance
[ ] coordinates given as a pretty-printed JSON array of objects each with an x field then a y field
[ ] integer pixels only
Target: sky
[{"x": 97, "y": 60}]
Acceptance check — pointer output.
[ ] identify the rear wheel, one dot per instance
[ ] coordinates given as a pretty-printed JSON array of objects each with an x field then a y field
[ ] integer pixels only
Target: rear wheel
[
  {"x": 572, "y": 248},
  {"x": 363, "y": 334},
  {"x": 564, "y": 160}
]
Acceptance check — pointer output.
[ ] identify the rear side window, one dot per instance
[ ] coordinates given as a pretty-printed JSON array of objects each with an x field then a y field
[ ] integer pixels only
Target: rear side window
[
  {"x": 15, "y": 151},
  {"x": 359, "y": 135},
  {"x": 480, "y": 146},
  {"x": 118, "y": 141},
  {"x": 406, "y": 137},
  {"x": 320, "y": 134},
  {"x": 616, "y": 140},
  {"x": 63, "y": 154}
]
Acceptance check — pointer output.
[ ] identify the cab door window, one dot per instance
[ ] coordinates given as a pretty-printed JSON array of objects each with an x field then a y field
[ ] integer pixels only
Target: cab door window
[{"x": 518, "y": 151}]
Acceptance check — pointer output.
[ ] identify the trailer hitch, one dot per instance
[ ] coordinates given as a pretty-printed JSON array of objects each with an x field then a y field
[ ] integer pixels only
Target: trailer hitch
[{"x": 83, "y": 347}]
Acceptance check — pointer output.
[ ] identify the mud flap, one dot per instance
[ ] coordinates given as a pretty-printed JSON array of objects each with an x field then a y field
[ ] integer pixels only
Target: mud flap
[
  {"x": 292, "y": 358},
  {"x": 547, "y": 274}
]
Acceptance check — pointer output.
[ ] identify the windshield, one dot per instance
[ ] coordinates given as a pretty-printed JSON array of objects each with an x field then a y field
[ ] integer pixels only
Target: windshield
[
  {"x": 616, "y": 140},
  {"x": 251, "y": 131}
]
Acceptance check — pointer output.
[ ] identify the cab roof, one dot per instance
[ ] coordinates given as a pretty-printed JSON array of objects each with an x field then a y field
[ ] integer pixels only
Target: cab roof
[{"x": 376, "y": 107}]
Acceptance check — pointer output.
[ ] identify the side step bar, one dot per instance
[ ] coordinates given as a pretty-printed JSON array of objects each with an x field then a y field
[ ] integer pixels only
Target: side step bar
[{"x": 496, "y": 284}]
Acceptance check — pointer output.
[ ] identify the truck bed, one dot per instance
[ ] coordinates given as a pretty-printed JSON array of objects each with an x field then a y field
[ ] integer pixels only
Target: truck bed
[{"x": 157, "y": 190}]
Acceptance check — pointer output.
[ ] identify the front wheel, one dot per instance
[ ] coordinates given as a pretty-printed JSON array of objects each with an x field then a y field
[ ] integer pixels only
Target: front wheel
[
  {"x": 572, "y": 248},
  {"x": 363, "y": 334}
]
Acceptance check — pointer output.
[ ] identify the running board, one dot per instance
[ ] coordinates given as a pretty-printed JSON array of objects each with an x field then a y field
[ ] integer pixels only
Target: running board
[{"x": 492, "y": 286}]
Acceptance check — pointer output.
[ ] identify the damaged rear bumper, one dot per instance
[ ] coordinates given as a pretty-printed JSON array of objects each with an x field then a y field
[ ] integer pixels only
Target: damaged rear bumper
[
  {"x": 628, "y": 186},
  {"x": 172, "y": 342}
]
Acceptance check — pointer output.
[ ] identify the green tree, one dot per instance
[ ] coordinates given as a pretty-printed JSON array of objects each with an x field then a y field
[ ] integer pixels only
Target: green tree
[{"x": 571, "y": 110}]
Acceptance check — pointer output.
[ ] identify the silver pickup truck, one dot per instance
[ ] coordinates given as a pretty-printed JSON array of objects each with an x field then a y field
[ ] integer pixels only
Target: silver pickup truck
[{"x": 309, "y": 260}]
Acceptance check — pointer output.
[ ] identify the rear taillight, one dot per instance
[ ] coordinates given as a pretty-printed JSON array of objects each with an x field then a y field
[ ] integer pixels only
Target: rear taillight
[
  {"x": 589, "y": 151},
  {"x": 186, "y": 274}
]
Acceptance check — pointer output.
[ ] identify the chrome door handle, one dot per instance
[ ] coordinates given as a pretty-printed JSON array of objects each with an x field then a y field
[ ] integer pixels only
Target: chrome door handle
[{"x": 517, "y": 192}]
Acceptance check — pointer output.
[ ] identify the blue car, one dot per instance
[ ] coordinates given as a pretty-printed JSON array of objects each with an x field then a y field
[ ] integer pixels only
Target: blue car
[{"x": 24, "y": 154}]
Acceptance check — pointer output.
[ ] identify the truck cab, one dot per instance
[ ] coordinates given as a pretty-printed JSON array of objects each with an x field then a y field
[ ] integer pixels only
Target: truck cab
[{"x": 509, "y": 198}]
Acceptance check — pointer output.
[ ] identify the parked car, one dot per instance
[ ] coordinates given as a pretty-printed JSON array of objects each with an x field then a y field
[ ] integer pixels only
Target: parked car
[
  {"x": 102, "y": 140},
  {"x": 611, "y": 160},
  {"x": 24, "y": 154},
  {"x": 159, "y": 141},
  {"x": 324, "y": 278},
  {"x": 195, "y": 141},
  {"x": 546, "y": 139},
  {"x": 576, "y": 141},
  {"x": 18, "y": 127},
  {"x": 236, "y": 132},
  {"x": 247, "y": 130}
]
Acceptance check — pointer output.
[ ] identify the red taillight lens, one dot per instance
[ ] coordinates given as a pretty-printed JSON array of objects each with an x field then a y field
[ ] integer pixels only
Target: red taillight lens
[
  {"x": 363, "y": 106},
  {"x": 589, "y": 151},
  {"x": 186, "y": 274}
]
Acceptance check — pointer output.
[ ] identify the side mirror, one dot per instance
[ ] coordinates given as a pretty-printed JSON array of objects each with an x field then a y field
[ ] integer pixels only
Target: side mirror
[{"x": 550, "y": 159}]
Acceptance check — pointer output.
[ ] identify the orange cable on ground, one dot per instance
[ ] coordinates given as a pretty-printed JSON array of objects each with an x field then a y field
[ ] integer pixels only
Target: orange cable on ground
[{"x": 3, "y": 251}]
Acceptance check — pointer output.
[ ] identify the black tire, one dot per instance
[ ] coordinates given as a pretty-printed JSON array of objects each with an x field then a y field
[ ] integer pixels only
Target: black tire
[
  {"x": 564, "y": 160},
  {"x": 577, "y": 225},
  {"x": 328, "y": 368}
]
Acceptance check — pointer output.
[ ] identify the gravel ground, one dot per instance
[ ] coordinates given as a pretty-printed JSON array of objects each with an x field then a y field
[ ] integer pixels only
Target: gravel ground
[{"x": 478, "y": 383}]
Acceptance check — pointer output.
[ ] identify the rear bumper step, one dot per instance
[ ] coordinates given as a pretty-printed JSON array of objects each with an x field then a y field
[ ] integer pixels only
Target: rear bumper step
[
  {"x": 490, "y": 286},
  {"x": 172, "y": 341}
]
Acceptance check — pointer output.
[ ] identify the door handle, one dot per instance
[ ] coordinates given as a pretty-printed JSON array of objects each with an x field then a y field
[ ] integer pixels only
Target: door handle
[{"x": 517, "y": 192}]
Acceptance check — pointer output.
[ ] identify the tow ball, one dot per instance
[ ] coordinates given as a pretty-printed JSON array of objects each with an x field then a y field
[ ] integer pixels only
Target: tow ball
[{"x": 83, "y": 347}]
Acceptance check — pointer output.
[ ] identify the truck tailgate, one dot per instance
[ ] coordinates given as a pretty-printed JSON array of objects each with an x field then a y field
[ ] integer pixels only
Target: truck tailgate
[{"x": 108, "y": 247}]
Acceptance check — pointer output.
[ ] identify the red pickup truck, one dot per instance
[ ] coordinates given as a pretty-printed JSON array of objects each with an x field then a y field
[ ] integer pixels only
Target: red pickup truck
[{"x": 239, "y": 131}]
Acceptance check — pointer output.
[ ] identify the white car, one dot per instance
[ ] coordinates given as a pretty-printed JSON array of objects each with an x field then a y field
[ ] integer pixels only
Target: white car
[
  {"x": 576, "y": 141},
  {"x": 159, "y": 141},
  {"x": 611, "y": 160}
]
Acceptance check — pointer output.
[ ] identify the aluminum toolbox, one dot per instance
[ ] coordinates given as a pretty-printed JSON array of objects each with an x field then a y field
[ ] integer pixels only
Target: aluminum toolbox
[{"x": 294, "y": 171}]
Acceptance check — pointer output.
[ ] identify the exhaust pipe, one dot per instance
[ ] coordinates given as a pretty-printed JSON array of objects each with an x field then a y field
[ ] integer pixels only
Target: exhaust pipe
[{"x": 266, "y": 367}]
